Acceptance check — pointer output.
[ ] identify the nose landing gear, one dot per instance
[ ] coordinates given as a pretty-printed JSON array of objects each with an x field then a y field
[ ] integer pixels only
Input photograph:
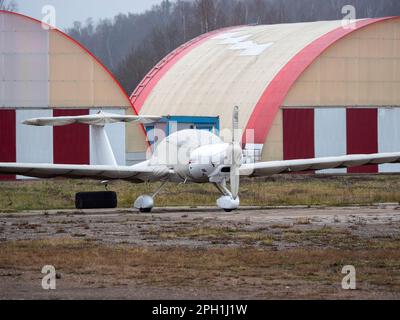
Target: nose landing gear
[{"x": 226, "y": 202}]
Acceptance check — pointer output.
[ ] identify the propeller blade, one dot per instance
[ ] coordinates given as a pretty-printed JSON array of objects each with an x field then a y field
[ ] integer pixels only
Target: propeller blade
[
  {"x": 236, "y": 155},
  {"x": 235, "y": 181},
  {"x": 235, "y": 125}
]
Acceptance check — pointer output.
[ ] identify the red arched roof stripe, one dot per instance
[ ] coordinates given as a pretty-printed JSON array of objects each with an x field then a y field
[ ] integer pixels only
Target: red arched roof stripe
[
  {"x": 52, "y": 28},
  {"x": 146, "y": 86},
  {"x": 274, "y": 95}
]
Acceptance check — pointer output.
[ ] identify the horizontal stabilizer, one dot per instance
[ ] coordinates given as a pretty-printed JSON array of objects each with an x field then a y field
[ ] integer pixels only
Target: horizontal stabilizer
[{"x": 99, "y": 119}]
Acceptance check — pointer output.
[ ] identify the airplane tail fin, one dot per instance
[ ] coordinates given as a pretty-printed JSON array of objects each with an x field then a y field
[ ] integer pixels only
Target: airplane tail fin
[{"x": 103, "y": 152}]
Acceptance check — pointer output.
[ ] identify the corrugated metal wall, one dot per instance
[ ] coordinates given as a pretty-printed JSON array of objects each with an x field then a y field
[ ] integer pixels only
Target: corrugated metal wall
[
  {"x": 60, "y": 145},
  {"x": 45, "y": 70},
  {"x": 325, "y": 132},
  {"x": 330, "y": 134},
  {"x": 362, "y": 135},
  {"x": 389, "y": 135},
  {"x": 7, "y": 138},
  {"x": 298, "y": 134},
  {"x": 24, "y": 63},
  {"x": 71, "y": 143}
]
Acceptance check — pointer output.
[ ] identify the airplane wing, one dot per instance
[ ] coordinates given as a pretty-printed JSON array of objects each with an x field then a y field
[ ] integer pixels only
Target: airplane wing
[
  {"x": 275, "y": 167},
  {"x": 136, "y": 174}
]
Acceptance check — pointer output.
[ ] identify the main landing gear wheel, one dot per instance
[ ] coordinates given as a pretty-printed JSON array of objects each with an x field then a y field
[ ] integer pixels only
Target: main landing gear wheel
[{"x": 145, "y": 203}]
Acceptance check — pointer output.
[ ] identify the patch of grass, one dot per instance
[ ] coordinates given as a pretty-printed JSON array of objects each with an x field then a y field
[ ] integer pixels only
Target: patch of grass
[{"x": 277, "y": 190}]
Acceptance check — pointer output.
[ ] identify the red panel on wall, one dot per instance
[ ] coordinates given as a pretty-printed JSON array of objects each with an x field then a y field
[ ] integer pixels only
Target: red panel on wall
[
  {"x": 71, "y": 143},
  {"x": 362, "y": 136},
  {"x": 8, "y": 151},
  {"x": 298, "y": 134}
]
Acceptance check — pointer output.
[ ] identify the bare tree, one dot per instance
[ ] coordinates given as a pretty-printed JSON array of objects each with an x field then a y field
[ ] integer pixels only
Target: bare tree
[
  {"x": 206, "y": 10},
  {"x": 131, "y": 44},
  {"x": 8, "y": 5}
]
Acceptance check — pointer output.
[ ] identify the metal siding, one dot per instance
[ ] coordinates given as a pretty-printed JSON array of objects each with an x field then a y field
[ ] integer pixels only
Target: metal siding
[
  {"x": 389, "y": 135},
  {"x": 7, "y": 139},
  {"x": 298, "y": 134},
  {"x": 330, "y": 135},
  {"x": 71, "y": 143},
  {"x": 212, "y": 78},
  {"x": 34, "y": 144},
  {"x": 362, "y": 135},
  {"x": 24, "y": 63},
  {"x": 359, "y": 70},
  {"x": 116, "y": 135},
  {"x": 275, "y": 93}
]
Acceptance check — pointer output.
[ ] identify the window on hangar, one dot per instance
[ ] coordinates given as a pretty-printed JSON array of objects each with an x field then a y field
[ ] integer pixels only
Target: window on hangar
[{"x": 170, "y": 124}]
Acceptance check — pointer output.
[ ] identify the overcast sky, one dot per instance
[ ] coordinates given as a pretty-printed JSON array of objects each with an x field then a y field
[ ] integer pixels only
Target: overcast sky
[{"x": 69, "y": 11}]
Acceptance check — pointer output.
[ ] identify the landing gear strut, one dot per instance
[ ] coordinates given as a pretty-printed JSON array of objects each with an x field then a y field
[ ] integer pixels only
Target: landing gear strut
[
  {"x": 226, "y": 202},
  {"x": 145, "y": 203}
]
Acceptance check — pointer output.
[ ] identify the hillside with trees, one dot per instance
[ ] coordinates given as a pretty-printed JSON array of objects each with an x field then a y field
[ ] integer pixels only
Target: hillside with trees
[
  {"x": 131, "y": 44},
  {"x": 8, "y": 5}
]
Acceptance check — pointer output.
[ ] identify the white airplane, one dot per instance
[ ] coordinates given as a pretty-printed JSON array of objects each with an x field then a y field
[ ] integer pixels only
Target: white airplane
[{"x": 203, "y": 158}]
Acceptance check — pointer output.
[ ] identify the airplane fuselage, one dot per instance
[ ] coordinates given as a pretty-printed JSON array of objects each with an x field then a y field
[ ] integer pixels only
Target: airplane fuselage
[{"x": 194, "y": 156}]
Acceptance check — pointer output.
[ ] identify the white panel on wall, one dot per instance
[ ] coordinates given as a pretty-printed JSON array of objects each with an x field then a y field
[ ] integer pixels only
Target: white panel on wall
[
  {"x": 26, "y": 67},
  {"x": 116, "y": 135},
  {"x": 330, "y": 134},
  {"x": 24, "y": 63},
  {"x": 2, "y": 67},
  {"x": 26, "y": 94},
  {"x": 34, "y": 144},
  {"x": 15, "y": 22},
  {"x": 34, "y": 41},
  {"x": 389, "y": 135}
]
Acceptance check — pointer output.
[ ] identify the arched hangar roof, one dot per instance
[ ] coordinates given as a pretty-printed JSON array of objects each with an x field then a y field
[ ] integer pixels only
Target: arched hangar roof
[
  {"x": 43, "y": 68},
  {"x": 254, "y": 67}
]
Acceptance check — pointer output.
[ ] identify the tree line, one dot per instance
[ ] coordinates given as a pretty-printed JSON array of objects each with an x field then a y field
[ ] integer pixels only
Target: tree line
[
  {"x": 131, "y": 44},
  {"x": 8, "y": 5}
]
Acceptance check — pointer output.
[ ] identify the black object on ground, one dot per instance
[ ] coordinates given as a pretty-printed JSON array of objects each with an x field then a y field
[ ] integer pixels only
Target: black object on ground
[{"x": 96, "y": 200}]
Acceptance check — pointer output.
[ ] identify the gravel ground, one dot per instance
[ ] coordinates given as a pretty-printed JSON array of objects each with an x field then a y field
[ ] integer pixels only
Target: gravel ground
[{"x": 285, "y": 229}]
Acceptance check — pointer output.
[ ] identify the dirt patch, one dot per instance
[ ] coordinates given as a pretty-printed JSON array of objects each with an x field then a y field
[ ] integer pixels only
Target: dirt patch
[
  {"x": 233, "y": 272},
  {"x": 261, "y": 254}
]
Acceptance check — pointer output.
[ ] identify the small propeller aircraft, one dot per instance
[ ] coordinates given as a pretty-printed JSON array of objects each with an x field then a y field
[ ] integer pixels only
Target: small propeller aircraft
[{"x": 187, "y": 156}]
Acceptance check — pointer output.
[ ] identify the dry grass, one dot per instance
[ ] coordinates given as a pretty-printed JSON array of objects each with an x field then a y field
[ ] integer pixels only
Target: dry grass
[
  {"x": 263, "y": 272},
  {"x": 219, "y": 235},
  {"x": 281, "y": 190},
  {"x": 303, "y": 221}
]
